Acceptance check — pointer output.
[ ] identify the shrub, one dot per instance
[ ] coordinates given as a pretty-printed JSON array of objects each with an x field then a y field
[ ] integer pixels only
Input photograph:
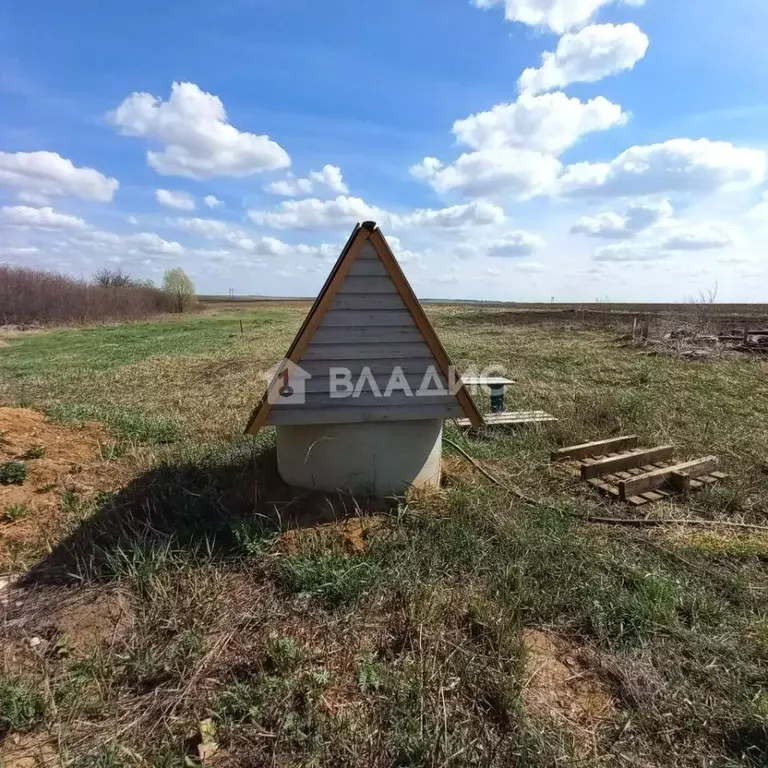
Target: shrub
[{"x": 29, "y": 296}]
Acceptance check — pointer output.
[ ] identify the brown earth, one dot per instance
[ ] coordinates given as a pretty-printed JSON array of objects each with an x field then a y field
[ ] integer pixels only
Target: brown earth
[
  {"x": 350, "y": 535},
  {"x": 561, "y": 685},
  {"x": 29, "y": 750},
  {"x": 71, "y": 461}
]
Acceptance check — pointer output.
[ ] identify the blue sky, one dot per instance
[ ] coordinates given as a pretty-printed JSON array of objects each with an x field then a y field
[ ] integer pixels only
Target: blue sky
[{"x": 627, "y": 163}]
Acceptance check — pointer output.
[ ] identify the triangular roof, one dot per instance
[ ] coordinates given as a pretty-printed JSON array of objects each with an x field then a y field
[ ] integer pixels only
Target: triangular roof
[{"x": 365, "y": 236}]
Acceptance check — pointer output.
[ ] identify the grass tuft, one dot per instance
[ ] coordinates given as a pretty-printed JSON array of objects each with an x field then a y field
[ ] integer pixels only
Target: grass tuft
[
  {"x": 123, "y": 423},
  {"x": 14, "y": 512},
  {"x": 21, "y": 705},
  {"x": 13, "y": 473}
]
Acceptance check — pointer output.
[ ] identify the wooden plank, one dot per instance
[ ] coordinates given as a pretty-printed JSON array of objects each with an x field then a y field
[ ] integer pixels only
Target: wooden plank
[
  {"x": 604, "y": 487},
  {"x": 680, "y": 481},
  {"x": 368, "y": 268},
  {"x": 719, "y": 475},
  {"x": 487, "y": 381},
  {"x": 351, "y": 318},
  {"x": 626, "y": 461},
  {"x": 414, "y": 381},
  {"x": 368, "y": 301},
  {"x": 361, "y": 351},
  {"x": 659, "y": 477},
  {"x": 512, "y": 417},
  {"x": 368, "y": 285},
  {"x": 374, "y": 335},
  {"x": 591, "y": 449},
  {"x": 415, "y": 366},
  {"x": 355, "y": 415},
  {"x": 366, "y": 399}
]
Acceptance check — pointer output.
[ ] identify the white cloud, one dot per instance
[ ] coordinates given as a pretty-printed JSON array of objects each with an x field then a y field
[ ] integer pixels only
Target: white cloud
[
  {"x": 48, "y": 173},
  {"x": 636, "y": 218},
  {"x": 133, "y": 221},
  {"x": 677, "y": 165},
  {"x": 199, "y": 142},
  {"x": 760, "y": 211},
  {"x": 330, "y": 176},
  {"x": 556, "y": 15},
  {"x": 179, "y": 200},
  {"x": 212, "y": 201},
  {"x": 516, "y": 145},
  {"x": 12, "y": 250},
  {"x": 39, "y": 218},
  {"x": 550, "y": 122},
  {"x": 203, "y": 227},
  {"x": 95, "y": 247},
  {"x": 629, "y": 251},
  {"x": 315, "y": 214},
  {"x": 33, "y": 198},
  {"x": 531, "y": 266},
  {"x": 515, "y": 244},
  {"x": 513, "y": 171},
  {"x": 671, "y": 237},
  {"x": 152, "y": 243},
  {"x": 478, "y": 212},
  {"x": 587, "y": 56},
  {"x": 705, "y": 236}
]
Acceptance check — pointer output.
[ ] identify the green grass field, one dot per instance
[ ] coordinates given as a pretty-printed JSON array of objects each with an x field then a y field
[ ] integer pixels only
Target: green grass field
[{"x": 452, "y": 629}]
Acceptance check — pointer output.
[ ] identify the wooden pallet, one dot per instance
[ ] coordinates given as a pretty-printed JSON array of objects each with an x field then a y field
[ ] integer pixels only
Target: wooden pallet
[
  {"x": 511, "y": 417},
  {"x": 621, "y": 470}
]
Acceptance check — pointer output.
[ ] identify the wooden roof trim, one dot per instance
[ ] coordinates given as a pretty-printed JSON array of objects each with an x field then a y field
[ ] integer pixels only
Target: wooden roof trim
[
  {"x": 311, "y": 322},
  {"x": 380, "y": 245}
]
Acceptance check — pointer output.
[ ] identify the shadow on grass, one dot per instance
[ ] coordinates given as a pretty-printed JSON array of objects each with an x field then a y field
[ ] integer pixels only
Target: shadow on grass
[{"x": 220, "y": 498}]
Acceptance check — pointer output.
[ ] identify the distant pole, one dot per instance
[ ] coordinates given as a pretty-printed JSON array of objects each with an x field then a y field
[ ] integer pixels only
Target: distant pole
[
  {"x": 241, "y": 327},
  {"x": 231, "y": 293}
]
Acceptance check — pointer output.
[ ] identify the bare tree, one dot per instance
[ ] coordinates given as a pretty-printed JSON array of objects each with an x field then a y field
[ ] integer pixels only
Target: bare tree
[
  {"x": 179, "y": 287},
  {"x": 108, "y": 278}
]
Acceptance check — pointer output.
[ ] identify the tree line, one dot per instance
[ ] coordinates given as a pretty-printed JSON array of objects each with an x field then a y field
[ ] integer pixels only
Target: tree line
[{"x": 37, "y": 297}]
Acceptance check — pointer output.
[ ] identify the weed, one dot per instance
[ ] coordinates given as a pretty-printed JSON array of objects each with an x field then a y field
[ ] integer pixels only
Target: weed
[
  {"x": 284, "y": 653},
  {"x": 13, "y": 473},
  {"x": 369, "y": 674},
  {"x": 21, "y": 705},
  {"x": 15, "y": 512},
  {"x": 335, "y": 579},
  {"x": 113, "y": 451},
  {"x": 34, "y": 452},
  {"x": 253, "y": 537}
]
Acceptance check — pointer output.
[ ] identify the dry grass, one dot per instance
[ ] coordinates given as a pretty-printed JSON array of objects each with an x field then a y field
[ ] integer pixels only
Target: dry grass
[{"x": 459, "y": 628}]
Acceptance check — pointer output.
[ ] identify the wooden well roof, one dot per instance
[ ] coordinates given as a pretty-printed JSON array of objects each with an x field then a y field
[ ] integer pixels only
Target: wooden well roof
[{"x": 366, "y": 315}]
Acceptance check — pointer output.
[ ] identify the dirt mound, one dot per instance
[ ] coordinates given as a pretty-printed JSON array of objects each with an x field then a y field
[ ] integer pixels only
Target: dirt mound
[
  {"x": 29, "y": 750},
  {"x": 561, "y": 685},
  {"x": 58, "y": 458},
  {"x": 62, "y": 621},
  {"x": 350, "y": 536}
]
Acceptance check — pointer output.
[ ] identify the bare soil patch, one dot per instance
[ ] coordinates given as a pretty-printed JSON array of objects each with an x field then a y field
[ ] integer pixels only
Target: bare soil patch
[
  {"x": 29, "y": 750},
  {"x": 68, "y": 459},
  {"x": 561, "y": 685},
  {"x": 63, "y": 621},
  {"x": 350, "y": 535}
]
